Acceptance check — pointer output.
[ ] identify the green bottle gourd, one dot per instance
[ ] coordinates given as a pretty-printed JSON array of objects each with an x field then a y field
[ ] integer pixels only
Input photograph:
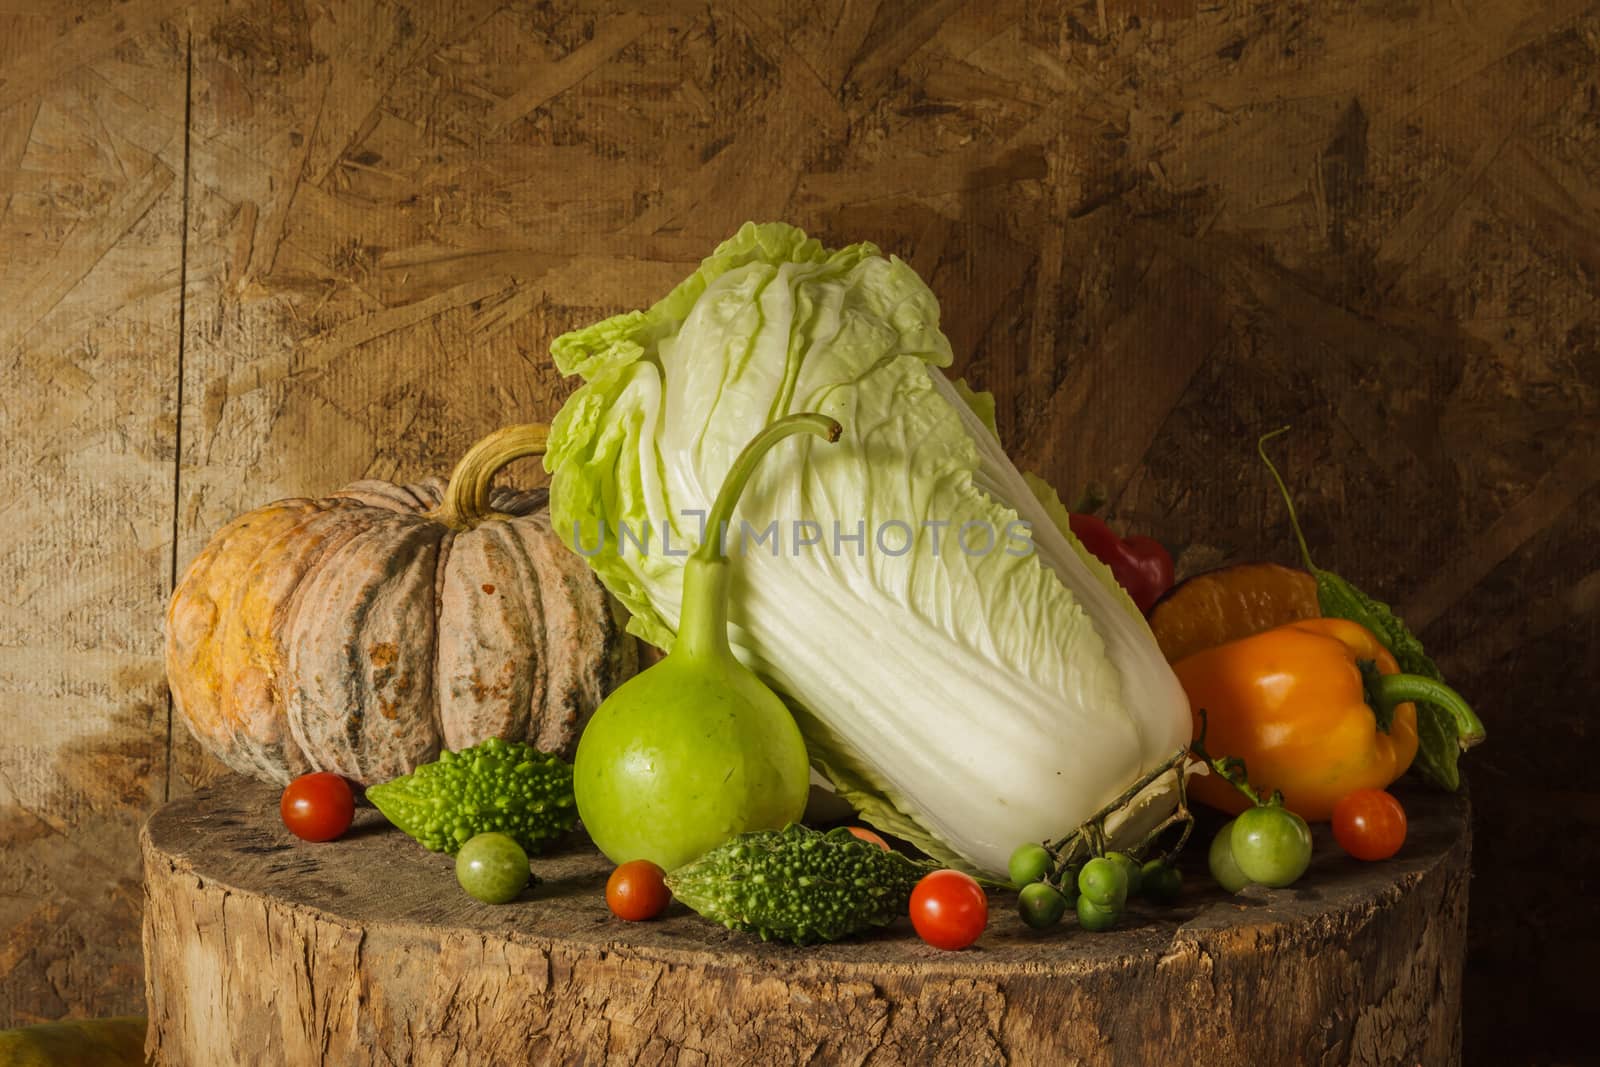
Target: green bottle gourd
[{"x": 696, "y": 749}]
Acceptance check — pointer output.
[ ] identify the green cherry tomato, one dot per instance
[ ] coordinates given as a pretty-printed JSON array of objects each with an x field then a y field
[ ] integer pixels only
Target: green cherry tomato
[
  {"x": 1129, "y": 868},
  {"x": 1041, "y": 905},
  {"x": 1103, "y": 882},
  {"x": 493, "y": 868},
  {"x": 1069, "y": 883},
  {"x": 1161, "y": 881},
  {"x": 1271, "y": 845},
  {"x": 1028, "y": 864},
  {"x": 1223, "y": 867},
  {"x": 1096, "y": 917}
]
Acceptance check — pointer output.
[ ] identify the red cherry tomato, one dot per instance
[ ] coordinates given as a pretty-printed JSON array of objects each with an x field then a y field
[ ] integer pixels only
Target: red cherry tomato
[
  {"x": 1369, "y": 824},
  {"x": 869, "y": 837},
  {"x": 317, "y": 807},
  {"x": 949, "y": 909},
  {"x": 637, "y": 890}
]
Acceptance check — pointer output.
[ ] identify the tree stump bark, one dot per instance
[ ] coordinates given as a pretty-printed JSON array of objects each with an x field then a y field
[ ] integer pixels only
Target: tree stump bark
[{"x": 263, "y": 949}]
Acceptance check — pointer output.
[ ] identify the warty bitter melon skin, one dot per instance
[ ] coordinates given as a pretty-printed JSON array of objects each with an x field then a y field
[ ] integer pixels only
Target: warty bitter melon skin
[
  {"x": 798, "y": 885},
  {"x": 504, "y": 786}
]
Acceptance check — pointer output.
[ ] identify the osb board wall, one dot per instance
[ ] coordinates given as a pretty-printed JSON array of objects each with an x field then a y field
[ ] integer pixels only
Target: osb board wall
[
  {"x": 91, "y": 203},
  {"x": 262, "y": 248}
]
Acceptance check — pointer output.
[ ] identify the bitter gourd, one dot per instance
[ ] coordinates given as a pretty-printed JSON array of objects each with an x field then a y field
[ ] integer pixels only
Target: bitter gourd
[
  {"x": 798, "y": 885},
  {"x": 504, "y": 786}
]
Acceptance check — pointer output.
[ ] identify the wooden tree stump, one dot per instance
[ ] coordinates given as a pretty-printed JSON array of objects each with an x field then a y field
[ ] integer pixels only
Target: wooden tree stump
[{"x": 261, "y": 948}]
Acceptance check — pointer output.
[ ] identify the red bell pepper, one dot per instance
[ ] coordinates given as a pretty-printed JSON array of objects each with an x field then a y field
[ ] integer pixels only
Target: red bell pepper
[{"x": 1140, "y": 564}]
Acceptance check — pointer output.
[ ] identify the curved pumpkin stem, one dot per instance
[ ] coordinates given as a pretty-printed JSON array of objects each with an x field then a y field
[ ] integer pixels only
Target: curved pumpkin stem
[{"x": 466, "y": 498}]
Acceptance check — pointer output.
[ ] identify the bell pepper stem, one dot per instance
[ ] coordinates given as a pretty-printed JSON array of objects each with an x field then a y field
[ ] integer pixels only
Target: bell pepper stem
[
  {"x": 1091, "y": 500},
  {"x": 1392, "y": 689}
]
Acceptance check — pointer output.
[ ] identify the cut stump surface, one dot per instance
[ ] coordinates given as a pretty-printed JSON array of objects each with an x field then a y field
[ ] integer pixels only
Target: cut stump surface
[{"x": 263, "y": 949}]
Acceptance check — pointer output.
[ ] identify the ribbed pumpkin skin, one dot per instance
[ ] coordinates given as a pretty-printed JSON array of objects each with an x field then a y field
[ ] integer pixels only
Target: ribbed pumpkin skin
[{"x": 358, "y": 634}]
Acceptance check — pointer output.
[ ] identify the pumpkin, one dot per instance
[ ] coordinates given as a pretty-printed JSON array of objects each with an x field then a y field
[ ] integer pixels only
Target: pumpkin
[{"x": 363, "y": 632}]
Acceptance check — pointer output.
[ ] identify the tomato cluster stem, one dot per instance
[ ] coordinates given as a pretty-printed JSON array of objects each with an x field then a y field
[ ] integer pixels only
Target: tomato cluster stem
[
  {"x": 1089, "y": 839},
  {"x": 1232, "y": 770}
]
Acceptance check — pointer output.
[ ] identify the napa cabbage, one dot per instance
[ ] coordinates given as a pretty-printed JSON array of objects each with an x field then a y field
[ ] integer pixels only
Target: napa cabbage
[{"x": 964, "y": 673}]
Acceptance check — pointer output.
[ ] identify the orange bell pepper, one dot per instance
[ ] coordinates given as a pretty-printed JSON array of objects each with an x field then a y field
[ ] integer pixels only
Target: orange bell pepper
[{"x": 1316, "y": 709}]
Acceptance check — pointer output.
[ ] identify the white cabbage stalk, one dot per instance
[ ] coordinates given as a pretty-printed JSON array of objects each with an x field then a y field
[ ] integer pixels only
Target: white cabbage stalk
[{"x": 967, "y": 702}]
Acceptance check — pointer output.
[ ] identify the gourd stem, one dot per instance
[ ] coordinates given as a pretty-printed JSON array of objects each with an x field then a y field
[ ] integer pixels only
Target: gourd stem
[
  {"x": 466, "y": 498},
  {"x": 744, "y": 466},
  {"x": 1294, "y": 519},
  {"x": 703, "y": 620},
  {"x": 1393, "y": 689}
]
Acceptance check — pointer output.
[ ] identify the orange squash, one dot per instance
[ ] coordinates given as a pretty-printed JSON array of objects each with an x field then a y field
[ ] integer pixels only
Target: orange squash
[
  {"x": 1223, "y": 605},
  {"x": 362, "y": 632}
]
